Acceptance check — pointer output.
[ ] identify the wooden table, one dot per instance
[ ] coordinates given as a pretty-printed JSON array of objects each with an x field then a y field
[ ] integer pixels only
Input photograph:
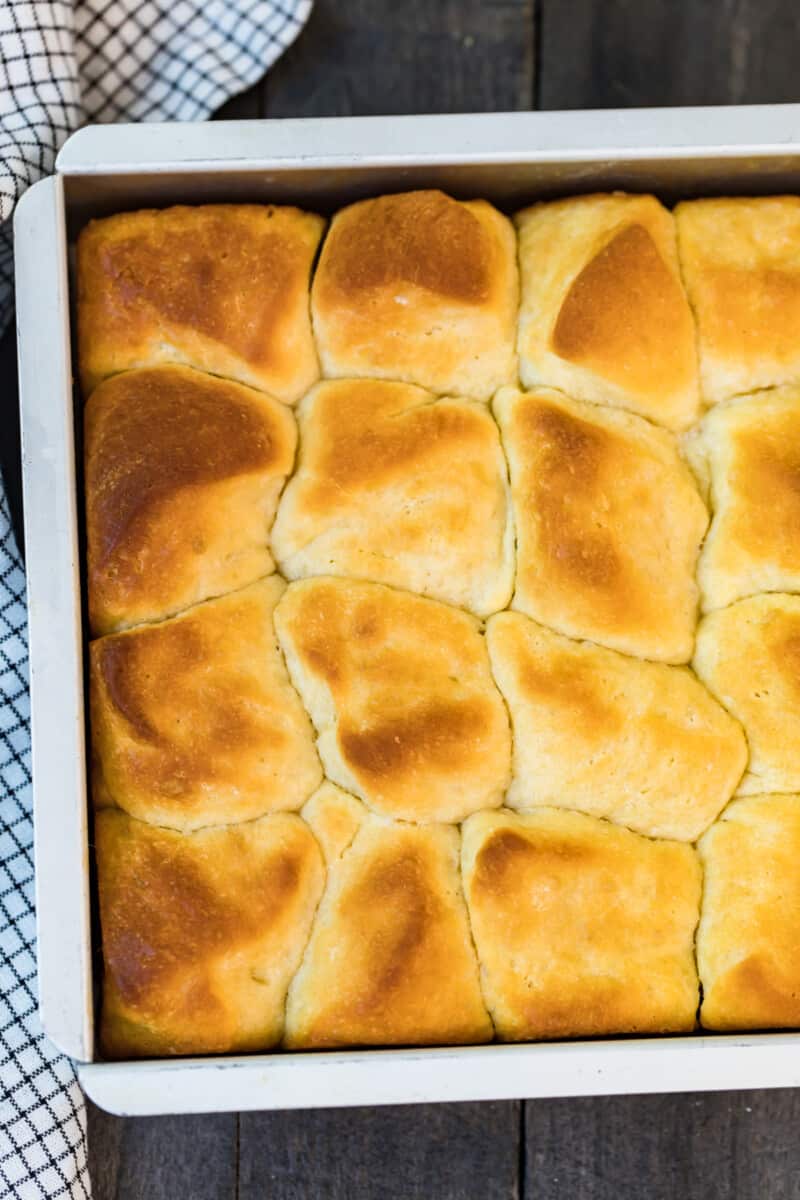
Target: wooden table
[{"x": 405, "y": 56}]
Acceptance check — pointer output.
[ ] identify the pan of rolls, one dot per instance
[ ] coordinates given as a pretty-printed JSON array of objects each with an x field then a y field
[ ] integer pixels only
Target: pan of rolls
[{"x": 443, "y": 581}]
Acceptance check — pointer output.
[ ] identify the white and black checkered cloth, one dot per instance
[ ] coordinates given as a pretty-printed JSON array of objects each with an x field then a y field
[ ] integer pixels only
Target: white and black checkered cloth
[
  {"x": 62, "y": 64},
  {"x": 42, "y": 1118}
]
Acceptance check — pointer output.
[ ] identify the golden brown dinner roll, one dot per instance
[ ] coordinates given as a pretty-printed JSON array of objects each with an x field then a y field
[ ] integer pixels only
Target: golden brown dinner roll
[
  {"x": 603, "y": 314},
  {"x": 748, "y": 655},
  {"x": 390, "y": 960},
  {"x": 421, "y": 288},
  {"x": 608, "y": 522},
  {"x": 221, "y": 287},
  {"x": 747, "y": 452},
  {"x": 201, "y": 932},
  {"x": 741, "y": 262},
  {"x": 183, "y": 473},
  {"x": 400, "y": 692},
  {"x": 748, "y": 942},
  {"x": 396, "y": 488},
  {"x": 640, "y": 743},
  {"x": 581, "y": 928},
  {"x": 195, "y": 722}
]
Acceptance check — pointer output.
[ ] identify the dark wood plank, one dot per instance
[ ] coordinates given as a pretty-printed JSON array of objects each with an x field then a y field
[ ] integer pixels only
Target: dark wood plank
[
  {"x": 380, "y": 56},
  {"x": 104, "y": 1133},
  {"x": 163, "y": 1158},
  {"x": 709, "y": 1146},
  {"x": 446, "y": 1152},
  {"x": 690, "y": 1147},
  {"x": 244, "y": 107},
  {"x": 664, "y": 52},
  {"x": 365, "y": 58}
]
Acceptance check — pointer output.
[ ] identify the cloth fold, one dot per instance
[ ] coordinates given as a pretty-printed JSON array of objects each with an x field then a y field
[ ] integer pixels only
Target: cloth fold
[{"x": 63, "y": 64}]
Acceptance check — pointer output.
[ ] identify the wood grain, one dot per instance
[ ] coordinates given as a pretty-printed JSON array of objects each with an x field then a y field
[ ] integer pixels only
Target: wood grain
[
  {"x": 630, "y": 53},
  {"x": 422, "y": 1152},
  {"x": 371, "y": 57},
  {"x": 716, "y": 1146},
  {"x": 163, "y": 1158}
]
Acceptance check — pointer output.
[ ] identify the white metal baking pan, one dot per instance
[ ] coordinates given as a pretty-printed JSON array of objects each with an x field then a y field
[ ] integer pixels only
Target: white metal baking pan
[{"x": 510, "y": 159}]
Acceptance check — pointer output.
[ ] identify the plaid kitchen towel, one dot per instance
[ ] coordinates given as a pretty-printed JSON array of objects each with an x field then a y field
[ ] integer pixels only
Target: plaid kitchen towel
[
  {"x": 42, "y": 1117},
  {"x": 62, "y": 64}
]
